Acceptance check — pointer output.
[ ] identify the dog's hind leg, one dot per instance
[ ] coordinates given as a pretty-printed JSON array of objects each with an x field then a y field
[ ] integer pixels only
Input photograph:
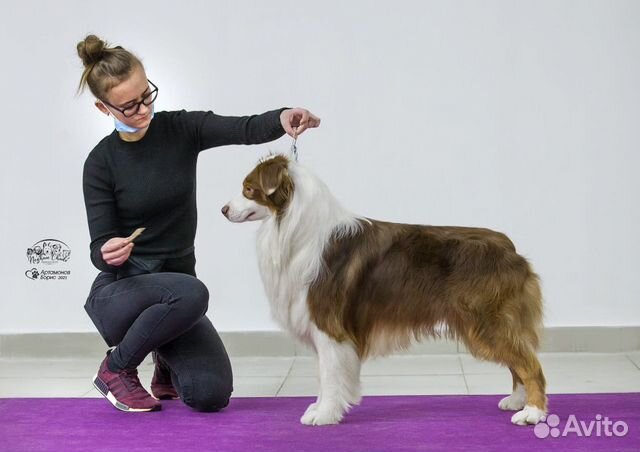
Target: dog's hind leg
[
  {"x": 339, "y": 368},
  {"x": 518, "y": 398},
  {"x": 535, "y": 408},
  {"x": 513, "y": 349}
]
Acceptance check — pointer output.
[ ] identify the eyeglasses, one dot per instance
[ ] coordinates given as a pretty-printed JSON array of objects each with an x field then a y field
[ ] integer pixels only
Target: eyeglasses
[{"x": 133, "y": 108}]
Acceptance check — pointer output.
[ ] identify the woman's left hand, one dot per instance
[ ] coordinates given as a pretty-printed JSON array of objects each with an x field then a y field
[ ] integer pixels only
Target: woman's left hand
[{"x": 296, "y": 120}]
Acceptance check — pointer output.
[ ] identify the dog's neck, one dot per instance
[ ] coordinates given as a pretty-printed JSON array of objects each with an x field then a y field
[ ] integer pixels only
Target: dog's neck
[
  {"x": 294, "y": 243},
  {"x": 290, "y": 251}
]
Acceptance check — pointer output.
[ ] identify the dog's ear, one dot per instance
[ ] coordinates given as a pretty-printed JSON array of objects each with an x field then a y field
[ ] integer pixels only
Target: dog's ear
[{"x": 271, "y": 176}]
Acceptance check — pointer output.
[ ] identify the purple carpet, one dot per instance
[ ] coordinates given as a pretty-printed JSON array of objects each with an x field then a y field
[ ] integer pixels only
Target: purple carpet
[{"x": 593, "y": 422}]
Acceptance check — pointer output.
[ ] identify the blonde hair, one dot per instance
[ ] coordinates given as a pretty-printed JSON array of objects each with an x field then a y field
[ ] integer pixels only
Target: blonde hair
[{"x": 104, "y": 66}]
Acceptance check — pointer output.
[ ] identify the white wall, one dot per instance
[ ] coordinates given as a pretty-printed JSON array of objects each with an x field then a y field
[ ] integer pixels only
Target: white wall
[{"x": 519, "y": 116}]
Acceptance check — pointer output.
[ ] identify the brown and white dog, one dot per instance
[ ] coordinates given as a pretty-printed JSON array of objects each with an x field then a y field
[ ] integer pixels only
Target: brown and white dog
[{"x": 354, "y": 287}]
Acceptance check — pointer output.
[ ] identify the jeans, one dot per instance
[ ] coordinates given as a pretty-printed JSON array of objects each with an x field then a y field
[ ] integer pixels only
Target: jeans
[{"x": 164, "y": 311}]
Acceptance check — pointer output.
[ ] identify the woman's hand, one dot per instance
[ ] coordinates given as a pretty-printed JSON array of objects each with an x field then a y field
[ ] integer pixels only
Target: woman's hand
[
  {"x": 296, "y": 120},
  {"x": 116, "y": 251}
]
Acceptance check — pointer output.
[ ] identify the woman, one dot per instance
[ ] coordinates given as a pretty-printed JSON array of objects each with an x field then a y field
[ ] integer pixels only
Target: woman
[{"x": 147, "y": 298}]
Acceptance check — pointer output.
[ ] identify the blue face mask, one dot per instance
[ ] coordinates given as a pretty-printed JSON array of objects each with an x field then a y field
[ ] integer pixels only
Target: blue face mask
[{"x": 122, "y": 127}]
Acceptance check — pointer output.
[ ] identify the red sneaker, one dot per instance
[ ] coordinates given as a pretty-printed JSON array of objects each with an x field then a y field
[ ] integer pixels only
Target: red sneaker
[
  {"x": 123, "y": 389},
  {"x": 161, "y": 384}
]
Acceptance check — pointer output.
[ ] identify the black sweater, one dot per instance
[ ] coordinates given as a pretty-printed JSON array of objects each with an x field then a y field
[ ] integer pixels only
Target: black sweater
[{"x": 151, "y": 183}]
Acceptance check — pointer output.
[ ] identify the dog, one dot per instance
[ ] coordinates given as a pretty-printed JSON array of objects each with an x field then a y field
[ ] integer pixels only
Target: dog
[{"x": 352, "y": 287}]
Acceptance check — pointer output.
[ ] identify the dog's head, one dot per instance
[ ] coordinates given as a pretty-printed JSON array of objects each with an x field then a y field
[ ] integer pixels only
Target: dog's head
[{"x": 266, "y": 192}]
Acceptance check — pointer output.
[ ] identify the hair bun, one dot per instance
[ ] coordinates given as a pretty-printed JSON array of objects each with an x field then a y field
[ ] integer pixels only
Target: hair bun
[{"x": 91, "y": 50}]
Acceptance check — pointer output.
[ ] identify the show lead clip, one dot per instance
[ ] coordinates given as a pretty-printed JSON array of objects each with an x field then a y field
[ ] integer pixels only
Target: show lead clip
[{"x": 294, "y": 148}]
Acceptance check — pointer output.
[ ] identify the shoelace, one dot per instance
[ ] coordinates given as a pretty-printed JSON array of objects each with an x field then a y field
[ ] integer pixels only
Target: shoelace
[{"x": 130, "y": 379}]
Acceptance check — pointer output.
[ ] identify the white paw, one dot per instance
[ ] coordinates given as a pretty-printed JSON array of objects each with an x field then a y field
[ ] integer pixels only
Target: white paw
[
  {"x": 511, "y": 403},
  {"x": 356, "y": 398},
  {"x": 310, "y": 409},
  {"x": 529, "y": 415},
  {"x": 515, "y": 401},
  {"x": 320, "y": 416}
]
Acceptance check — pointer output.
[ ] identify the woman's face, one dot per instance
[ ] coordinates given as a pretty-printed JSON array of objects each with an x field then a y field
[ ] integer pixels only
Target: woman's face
[{"x": 130, "y": 91}]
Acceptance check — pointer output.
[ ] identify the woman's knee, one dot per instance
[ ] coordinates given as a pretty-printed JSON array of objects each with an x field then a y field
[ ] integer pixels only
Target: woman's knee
[
  {"x": 210, "y": 388},
  {"x": 190, "y": 292},
  {"x": 200, "y": 296},
  {"x": 213, "y": 399}
]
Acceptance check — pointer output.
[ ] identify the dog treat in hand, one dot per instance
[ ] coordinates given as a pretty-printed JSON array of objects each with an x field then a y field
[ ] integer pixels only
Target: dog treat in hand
[{"x": 135, "y": 234}]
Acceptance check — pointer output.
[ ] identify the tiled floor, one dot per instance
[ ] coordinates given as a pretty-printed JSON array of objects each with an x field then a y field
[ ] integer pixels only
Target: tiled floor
[{"x": 396, "y": 375}]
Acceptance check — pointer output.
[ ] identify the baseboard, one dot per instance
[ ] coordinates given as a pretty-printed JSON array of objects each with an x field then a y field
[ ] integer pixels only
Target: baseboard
[{"x": 274, "y": 343}]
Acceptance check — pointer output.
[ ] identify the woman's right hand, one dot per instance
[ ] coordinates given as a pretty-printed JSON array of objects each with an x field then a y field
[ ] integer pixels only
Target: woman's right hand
[{"x": 116, "y": 251}]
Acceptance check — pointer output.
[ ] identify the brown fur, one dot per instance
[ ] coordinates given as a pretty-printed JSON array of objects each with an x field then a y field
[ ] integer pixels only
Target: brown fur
[
  {"x": 393, "y": 283},
  {"x": 269, "y": 184},
  {"x": 397, "y": 282}
]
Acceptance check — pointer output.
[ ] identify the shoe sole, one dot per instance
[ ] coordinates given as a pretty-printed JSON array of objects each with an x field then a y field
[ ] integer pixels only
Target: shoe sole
[
  {"x": 103, "y": 389},
  {"x": 165, "y": 398}
]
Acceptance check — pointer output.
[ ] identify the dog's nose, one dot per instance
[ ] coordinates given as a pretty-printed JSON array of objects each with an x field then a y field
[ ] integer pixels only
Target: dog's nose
[{"x": 225, "y": 209}]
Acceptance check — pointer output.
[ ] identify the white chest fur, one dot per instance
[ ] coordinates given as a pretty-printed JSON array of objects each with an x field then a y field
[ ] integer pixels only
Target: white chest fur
[
  {"x": 290, "y": 253},
  {"x": 282, "y": 270}
]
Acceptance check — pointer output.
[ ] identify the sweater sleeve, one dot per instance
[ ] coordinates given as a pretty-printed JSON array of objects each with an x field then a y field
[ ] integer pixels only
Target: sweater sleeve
[
  {"x": 101, "y": 209},
  {"x": 211, "y": 130}
]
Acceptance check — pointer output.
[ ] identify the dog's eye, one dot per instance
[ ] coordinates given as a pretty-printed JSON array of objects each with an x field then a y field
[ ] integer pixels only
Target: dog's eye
[{"x": 248, "y": 191}]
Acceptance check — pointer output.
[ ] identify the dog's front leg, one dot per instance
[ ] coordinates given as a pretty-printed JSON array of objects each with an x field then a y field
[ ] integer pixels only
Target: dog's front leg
[
  {"x": 313, "y": 406},
  {"x": 339, "y": 368}
]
